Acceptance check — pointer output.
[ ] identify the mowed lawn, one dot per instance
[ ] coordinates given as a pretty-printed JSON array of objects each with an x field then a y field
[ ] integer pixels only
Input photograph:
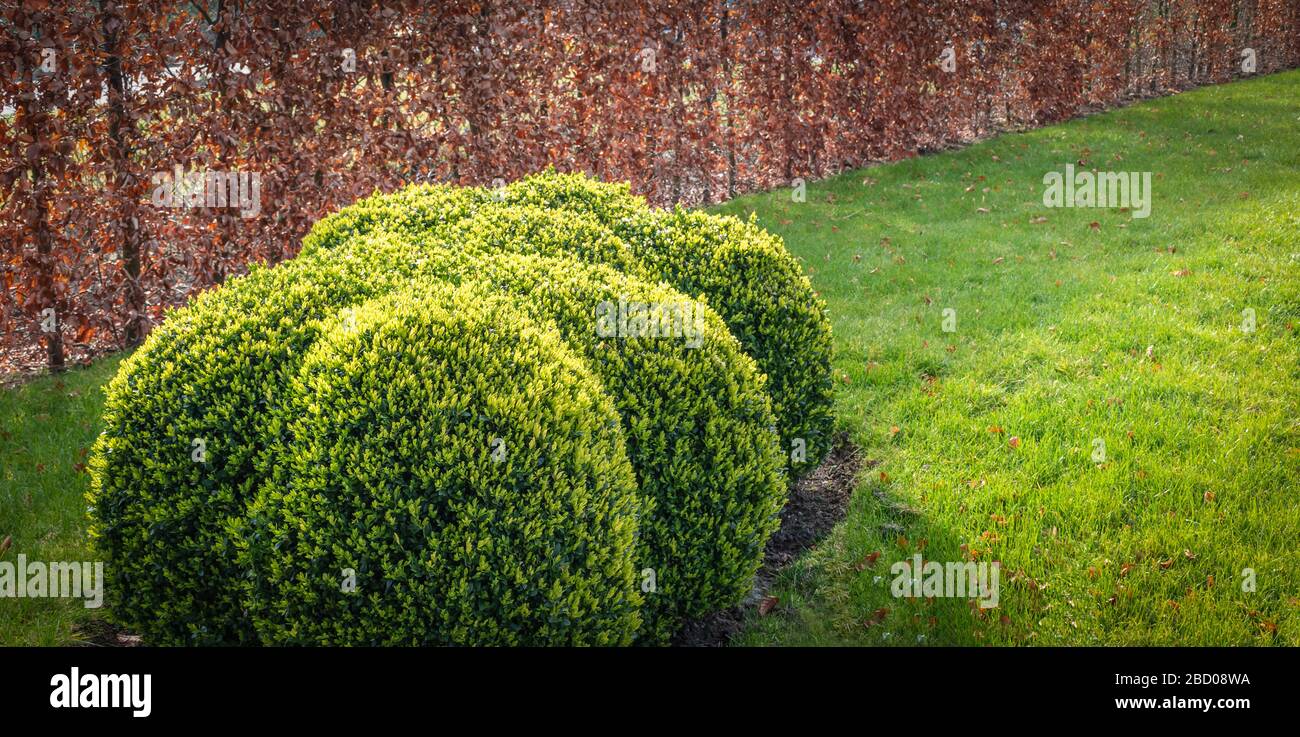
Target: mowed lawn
[
  {"x": 1129, "y": 332},
  {"x": 1073, "y": 328},
  {"x": 47, "y": 427}
]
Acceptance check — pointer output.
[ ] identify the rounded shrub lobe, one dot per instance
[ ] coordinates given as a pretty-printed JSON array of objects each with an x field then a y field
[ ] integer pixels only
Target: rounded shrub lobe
[{"x": 453, "y": 475}]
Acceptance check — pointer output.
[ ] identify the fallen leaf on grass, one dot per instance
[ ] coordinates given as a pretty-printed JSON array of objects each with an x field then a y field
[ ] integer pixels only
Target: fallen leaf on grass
[
  {"x": 868, "y": 561},
  {"x": 877, "y": 617},
  {"x": 767, "y": 605}
]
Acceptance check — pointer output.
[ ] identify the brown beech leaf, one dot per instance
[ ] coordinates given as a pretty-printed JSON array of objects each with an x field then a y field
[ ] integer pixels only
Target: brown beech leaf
[
  {"x": 868, "y": 561},
  {"x": 877, "y": 617}
]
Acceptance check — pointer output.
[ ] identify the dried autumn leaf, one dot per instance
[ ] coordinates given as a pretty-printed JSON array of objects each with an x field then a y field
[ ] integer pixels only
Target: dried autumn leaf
[{"x": 868, "y": 561}]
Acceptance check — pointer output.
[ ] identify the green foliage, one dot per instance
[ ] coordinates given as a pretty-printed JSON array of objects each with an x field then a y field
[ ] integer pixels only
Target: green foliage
[
  {"x": 746, "y": 274},
  {"x": 425, "y": 209},
  {"x": 742, "y": 271},
  {"x": 698, "y": 421},
  {"x": 701, "y": 434},
  {"x": 177, "y": 462},
  {"x": 739, "y": 269},
  {"x": 452, "y": 474}
]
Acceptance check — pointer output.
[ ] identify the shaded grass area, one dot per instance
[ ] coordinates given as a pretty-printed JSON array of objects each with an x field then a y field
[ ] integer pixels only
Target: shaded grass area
[
  {"x": 1128, "y": 332},
  {"x": 46, "y": 428},
  {"x": 1074, "y": 328}
]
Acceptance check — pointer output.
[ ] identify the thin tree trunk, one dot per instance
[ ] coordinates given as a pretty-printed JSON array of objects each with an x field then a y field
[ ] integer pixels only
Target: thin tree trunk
[
  {"x": 32, "y": 119},
  {"x": 119, "y": 128}
]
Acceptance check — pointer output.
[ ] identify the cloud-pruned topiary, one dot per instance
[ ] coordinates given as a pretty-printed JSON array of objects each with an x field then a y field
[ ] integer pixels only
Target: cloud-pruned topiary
[
  {"x": 425, "y": 209},
  {"x": 698, "y": 421},
  {"x": 216, "y": 451},
  {"x": 743, "y": 272},
  {"x": 454, "y": 475},
  {"x": 185, "y": 425}
]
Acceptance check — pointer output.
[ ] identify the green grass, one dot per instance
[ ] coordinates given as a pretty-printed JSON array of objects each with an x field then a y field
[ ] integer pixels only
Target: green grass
[
  {"x": 1053, "y": 323},
  {"x": 46, "y": 428}
]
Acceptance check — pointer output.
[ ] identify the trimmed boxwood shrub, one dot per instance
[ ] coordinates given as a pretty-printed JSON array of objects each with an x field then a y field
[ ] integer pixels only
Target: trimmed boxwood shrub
[
  {"x": 424, "y": 209},
  {"x": 748, "y": 276},
  {"x": 454, "y": 475},
  {"x": 698, "y": 420},
  {"x": 532, "y": 229},
  {"x": 610, "y": 202},
  {"x": 700, "y": 432},
  {"x": 185, "y": 420},
  {"x": 742, "y": 271}
]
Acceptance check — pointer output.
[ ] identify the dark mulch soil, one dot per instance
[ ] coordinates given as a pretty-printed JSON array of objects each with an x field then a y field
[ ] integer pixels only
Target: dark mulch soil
[
  {"x": 817, "y": 502},
  {"x": 98, "y": 633}
]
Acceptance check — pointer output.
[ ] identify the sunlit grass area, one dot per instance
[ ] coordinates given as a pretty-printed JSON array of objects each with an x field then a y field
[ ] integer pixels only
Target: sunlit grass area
[{"x": 1115, "y": 414}]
